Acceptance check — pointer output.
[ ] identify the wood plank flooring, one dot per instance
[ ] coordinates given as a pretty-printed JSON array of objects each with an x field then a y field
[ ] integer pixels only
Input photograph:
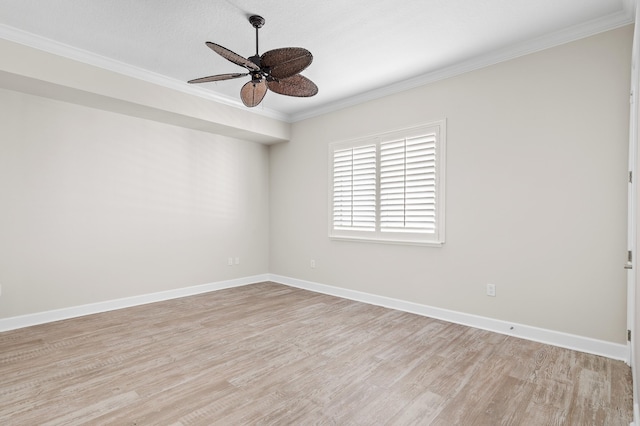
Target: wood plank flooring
[{"x": 270, "y": 354}]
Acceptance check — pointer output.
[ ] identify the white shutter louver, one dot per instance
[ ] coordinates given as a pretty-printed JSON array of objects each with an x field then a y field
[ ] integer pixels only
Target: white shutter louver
[
  {"x": 389, "y": 187},
  {"x": 354, "y": 188},
  {"x": 408, "y": 185}
]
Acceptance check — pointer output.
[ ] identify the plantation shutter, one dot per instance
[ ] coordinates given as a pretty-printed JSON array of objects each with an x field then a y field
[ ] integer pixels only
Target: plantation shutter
[
  {"x": 408, "y": 185},
  {"x": 389, "y": 187},
  {"x": 354, "y": 188}
]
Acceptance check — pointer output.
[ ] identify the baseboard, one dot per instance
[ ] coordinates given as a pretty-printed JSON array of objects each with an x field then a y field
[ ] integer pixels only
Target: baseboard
[
  {"x": 634, "y": 384},
  {"x": 556, "y": 338},
  {"x": 13, "y": 323}
]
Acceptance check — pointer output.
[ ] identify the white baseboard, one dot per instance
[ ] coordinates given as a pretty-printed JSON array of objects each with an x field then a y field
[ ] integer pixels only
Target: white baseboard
[
  {"x": 556, "y": 338},
  {"x": 13, "y": 323}
]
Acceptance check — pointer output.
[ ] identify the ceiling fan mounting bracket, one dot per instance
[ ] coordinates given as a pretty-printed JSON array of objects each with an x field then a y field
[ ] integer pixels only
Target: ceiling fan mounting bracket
[{"x": 257, "y": 21}]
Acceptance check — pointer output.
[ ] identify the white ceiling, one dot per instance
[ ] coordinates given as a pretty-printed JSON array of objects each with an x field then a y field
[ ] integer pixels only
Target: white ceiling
[{"x": 362, "y": 48}]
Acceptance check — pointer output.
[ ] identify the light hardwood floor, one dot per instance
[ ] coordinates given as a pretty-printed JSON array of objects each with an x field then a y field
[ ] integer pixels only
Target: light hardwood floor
[{"x": 271, "y": 354}]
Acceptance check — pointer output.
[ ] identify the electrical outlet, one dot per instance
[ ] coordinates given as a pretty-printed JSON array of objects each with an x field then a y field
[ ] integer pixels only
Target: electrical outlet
[
  {"x": 312, "y": 263},
  {"x": 230, "y": 261},
  {"x": 491, "y": 290}
]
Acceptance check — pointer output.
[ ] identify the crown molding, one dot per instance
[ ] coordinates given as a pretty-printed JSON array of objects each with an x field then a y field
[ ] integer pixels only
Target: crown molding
[
  {"x": 567, "y": 35},
  {"x": 606, "y": 23},
  {"x": 50, "y": 46}
]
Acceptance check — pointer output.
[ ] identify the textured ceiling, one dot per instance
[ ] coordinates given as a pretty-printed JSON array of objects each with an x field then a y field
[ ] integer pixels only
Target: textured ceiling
[{"x": 360, "y": 47}]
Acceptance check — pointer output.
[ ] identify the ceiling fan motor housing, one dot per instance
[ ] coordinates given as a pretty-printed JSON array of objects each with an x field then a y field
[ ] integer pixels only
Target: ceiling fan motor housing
[{"x": 255, "y": 59}]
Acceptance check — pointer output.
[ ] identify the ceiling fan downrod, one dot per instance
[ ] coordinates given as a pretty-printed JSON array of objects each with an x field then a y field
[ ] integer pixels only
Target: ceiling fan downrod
[{"x": 257, "y": 22}]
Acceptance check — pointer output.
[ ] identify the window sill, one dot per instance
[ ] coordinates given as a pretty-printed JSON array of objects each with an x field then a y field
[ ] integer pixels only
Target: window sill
[{"x": 387, "y": 241}]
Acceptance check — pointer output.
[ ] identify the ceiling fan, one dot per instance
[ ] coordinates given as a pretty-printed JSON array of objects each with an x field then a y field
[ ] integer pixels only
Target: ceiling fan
[{"x": 277, "y": 70}]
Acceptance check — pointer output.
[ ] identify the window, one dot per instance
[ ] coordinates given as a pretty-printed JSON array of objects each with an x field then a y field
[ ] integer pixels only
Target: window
[{"x": 389, "y": 187}]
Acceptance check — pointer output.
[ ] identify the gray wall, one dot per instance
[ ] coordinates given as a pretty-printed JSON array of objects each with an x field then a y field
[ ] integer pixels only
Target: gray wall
[
  {"x": 98, "y": 206},
  {"x": 536, "y": 193}
]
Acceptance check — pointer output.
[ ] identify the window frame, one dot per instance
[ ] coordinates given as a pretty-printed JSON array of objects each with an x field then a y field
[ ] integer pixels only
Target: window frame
[{"x": 436, "y": 238}]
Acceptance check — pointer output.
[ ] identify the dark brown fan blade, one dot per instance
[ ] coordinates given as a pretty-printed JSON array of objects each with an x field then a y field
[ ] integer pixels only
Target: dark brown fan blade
[
  {"x": 287, "y": 61},
  {"x": 297, "y": 85},
  {"x": 253, "y": 92},
  {"x": 233, "y": 57},
  {"x": 218, "y": 77}
]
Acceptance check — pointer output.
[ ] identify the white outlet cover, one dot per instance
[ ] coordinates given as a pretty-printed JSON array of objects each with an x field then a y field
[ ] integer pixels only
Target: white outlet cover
[{"x": 491, "y": 290}]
